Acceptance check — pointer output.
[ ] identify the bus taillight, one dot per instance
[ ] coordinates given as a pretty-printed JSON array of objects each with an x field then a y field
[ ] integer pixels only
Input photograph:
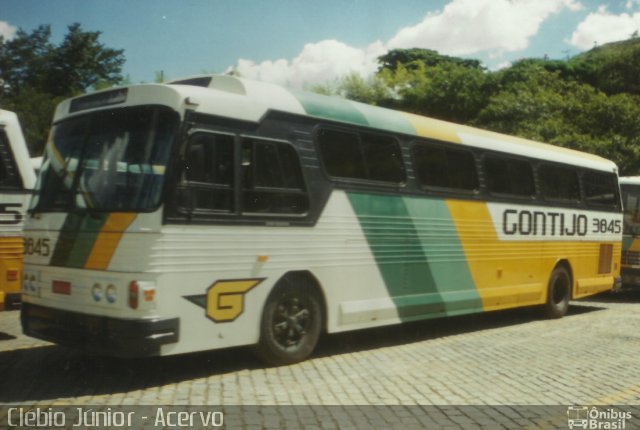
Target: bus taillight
[
  {"x": 133, "y": 294},
  {"x": 12, "y": 275}
]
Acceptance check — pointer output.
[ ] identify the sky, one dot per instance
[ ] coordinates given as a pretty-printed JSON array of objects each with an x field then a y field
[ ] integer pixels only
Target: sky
[{"x": 307, "y": 42}]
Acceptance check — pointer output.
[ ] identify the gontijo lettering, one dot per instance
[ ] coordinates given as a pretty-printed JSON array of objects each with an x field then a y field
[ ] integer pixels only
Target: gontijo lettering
[
  {"x": 526, "y": 222},
  {"x": 543, "y": 223}
]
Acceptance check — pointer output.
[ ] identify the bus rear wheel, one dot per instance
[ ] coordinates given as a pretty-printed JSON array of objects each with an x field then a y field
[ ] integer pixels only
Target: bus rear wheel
[
  {"x": 291, "y": 323},
  {"x": 558, "y": 293}
]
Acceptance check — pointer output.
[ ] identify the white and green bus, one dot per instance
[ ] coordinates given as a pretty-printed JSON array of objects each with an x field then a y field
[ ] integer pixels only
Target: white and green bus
[
  {"x": 216, "y": 211},
  {"x": 17, "y": 179}
]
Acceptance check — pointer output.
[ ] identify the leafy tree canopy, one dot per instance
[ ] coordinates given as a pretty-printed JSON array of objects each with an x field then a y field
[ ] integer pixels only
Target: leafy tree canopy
[
  {"x": 590, "y": 102},
  {"x": 38, "y": 74},
  {"x": 411, "y": 58},
  {"x": 612, "y": 68}
]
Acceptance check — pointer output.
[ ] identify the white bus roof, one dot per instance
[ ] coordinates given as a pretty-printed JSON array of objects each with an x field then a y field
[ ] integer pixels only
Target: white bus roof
[
  {"x": 630, "y": 180},
  {"x": 249, "y": 100}
]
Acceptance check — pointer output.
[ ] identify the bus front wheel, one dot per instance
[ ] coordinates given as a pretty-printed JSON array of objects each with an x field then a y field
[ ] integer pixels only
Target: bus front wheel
[
  {"x": 291, "y": 323},
  {"x": 558, "y": 293}
]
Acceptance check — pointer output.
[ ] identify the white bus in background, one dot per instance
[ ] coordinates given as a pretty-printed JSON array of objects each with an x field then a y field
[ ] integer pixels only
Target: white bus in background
[{"x": 17, "y": 179}]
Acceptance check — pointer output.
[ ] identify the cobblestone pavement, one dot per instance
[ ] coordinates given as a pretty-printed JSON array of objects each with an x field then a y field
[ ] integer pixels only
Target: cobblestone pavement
[{"x": 589, "y": 357}]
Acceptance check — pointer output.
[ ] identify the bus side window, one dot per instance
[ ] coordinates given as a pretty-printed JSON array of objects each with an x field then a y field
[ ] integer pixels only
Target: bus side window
[
  {"x": 383, "y": 158},
  {"x": 600, "y": 189},
  {"x": 449, "y": 168},
  {"x": 208, "y": 173},
  {"x": 361, "y": 156},
  {"x": 273, "y": 180},
  {"x": 9, "y": 177},
  {"x": 559, "y": 183},
  {"x": 509, "y": 176},
  {"x": 341, "y": 154}
]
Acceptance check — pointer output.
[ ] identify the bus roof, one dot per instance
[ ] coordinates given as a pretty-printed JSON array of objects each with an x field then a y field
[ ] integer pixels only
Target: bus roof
[
  {"x": 629, "y": 180},
  {"x": 250, "y": 100}
]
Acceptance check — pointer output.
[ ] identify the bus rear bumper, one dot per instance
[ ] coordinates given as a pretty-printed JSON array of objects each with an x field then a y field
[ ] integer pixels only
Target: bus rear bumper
[
  {"x": 103, "y": 335},
  {"x": 630, "y": 278}
]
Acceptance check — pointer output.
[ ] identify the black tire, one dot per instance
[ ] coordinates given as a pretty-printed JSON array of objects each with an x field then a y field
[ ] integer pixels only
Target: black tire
[
  {"x": 558, "y": 293},
  {"x": 291, "y": 323}
]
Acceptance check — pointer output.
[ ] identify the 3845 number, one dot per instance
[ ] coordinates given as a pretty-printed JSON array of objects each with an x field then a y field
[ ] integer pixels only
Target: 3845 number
[
  {"x": 37, "y": 247},
  {"x": 601, "y": 225}
]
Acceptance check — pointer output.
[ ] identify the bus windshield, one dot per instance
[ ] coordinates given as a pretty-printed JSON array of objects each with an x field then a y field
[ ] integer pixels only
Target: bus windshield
[
  {"x": 631, "y": 203},
  {"x": 107, "y": 161}
]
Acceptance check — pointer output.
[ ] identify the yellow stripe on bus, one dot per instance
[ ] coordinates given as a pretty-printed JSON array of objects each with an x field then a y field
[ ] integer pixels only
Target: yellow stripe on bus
[
  {"x": 516, "y": 273},
  {"x": 108, "y": 240},
  {"x": 433, "y": 128}
]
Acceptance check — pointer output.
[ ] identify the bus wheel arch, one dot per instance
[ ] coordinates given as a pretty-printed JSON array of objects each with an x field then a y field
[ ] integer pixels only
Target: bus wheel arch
[
  {"x": 292, "y": 320},
  {"x": 559, "y": 290}
]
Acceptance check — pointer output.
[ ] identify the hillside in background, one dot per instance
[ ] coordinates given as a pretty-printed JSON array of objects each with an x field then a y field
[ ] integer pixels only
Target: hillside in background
[
  {"x": 613, "y": 68},
  {"x": 589, "y": 102}
]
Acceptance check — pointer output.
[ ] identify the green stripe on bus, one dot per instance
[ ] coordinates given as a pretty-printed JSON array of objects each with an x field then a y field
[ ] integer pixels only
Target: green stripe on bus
[
  {"x": 395, "y": 244},
  {"x": 416, "y": 247},
  {"x": 333, "y": 108},
  {"x": 386, "y": 119},
  {"x": 77, "y": 237},
  {"x": 443, "y": 250}
]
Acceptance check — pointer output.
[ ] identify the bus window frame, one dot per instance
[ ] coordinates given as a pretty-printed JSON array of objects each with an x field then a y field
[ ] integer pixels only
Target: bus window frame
[
  {"x": 462, "y": 192},
  {"x": 346, "y": 182},
  {"x": 560, "y": 201},
  {"x": 618, "y": 207},
  {"x": 195, "y": 215},
  {"x": 535, "y": 196},
  {"x": 190, "y": 186},
  {"x": 241, "y": 138}
]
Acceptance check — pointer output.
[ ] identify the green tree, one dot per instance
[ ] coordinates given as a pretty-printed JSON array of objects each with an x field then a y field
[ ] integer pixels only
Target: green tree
[
  {"x": 537, "y": 104},
  {"x": 39, "y": 74},
  {"x": 372, "y": 90},
  {"x": 410, "y": 58},
  {"x": 24, "y": 59},
  {"x": 590, "y": 102},
  {"x": 612, "y": 68},
  {"x": 447, "y": 90}
]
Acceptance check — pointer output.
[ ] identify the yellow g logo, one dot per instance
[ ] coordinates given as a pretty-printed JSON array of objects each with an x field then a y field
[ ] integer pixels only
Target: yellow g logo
[{"x": 225, "y": 299}]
